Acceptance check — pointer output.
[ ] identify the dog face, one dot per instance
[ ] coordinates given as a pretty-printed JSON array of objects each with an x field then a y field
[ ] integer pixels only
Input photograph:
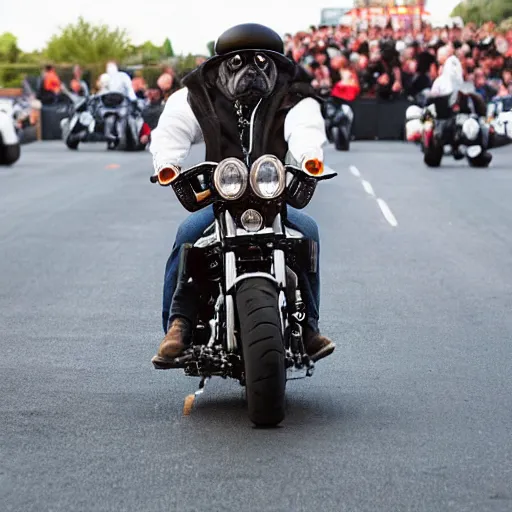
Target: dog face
[{"x": 247, "y": 75}]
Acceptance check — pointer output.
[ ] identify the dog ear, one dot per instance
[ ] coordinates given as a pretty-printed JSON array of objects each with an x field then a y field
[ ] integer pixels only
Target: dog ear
[
  {"x": 221, "y": 80},
  {"x": 211, "y": 75}
]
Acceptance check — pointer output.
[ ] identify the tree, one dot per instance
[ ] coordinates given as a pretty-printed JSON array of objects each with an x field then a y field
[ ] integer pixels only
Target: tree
[
  {"x": 149, "y": 53},
  {"x": 211, "y": 48},
  {"x": 86, "y": 43},
  {"x": 9, "y": 51},
  {"x": 506, "y": 24},
  {"x": 481, "y": 11},
  {"x": 168, "y": 49}
]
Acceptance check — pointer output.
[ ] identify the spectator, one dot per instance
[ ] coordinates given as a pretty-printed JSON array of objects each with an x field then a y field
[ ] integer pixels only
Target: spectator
[
  {"x": 482, "y": 87},
  {"x": 386, "y": 71},
  {"x": 139, "y": 85},
  {"x": 153, "y": 110},
  {"x": 51, "y": 86},
  {"x": 347, "y": 88},
  {"x": 77, "y": 84},
  {"x": 166, "y": 82},
  {"x": 505, "y": 87}
]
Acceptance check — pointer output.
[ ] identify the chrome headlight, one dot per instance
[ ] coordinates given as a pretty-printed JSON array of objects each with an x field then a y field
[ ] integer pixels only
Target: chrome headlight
[
  {"x": 251, "y": 220},
  {"x": 330, "y": 110},
  {"x": 268, "y": 177},
  {"x": 230, "y": 178},
  {"x": 86, "y": 118}
]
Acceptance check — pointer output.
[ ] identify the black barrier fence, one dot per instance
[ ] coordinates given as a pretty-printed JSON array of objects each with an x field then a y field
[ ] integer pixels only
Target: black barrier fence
[
  {"x": 379, "y": 120},
  {"x": 28, "y": 135},
  {"x": 373, "y": 119},
  {"x": 51, "y": 116}
]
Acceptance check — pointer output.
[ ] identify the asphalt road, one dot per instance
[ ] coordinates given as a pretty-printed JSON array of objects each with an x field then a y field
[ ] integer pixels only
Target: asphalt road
[{"x": 413, "y": 412}]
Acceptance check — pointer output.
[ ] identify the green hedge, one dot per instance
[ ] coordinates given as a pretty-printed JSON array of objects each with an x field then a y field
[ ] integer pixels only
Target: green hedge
[{"x": 11, "y": 75}]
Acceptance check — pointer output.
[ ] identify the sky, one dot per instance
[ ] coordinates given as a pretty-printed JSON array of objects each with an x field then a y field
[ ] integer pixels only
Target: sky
[{"x": 188, "y": 24}]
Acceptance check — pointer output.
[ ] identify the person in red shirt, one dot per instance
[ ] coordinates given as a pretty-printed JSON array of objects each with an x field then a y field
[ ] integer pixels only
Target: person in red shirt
[
  {"x": 51, "y": 81},
  {"x": 347, "y": 88},
  {"x": 51, "y": 85}
]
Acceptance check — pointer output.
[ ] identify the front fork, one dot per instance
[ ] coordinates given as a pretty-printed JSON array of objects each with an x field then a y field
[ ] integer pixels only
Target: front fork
[{"x": 291, "y": 306}]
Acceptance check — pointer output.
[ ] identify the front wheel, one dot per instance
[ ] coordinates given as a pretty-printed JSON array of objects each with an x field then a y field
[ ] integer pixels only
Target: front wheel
[
  {"x": 341, "y": 138},
  {"x": 433, "y": 150},
  {"x": 263, "y": 351},
  {"x": 72, "y": 144},
  {"x": 482, "y": 160}
]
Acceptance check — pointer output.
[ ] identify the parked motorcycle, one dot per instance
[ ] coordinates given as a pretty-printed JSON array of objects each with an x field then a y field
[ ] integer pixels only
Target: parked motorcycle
[
  {"x": 109, "y": 117},
  {"x": 250, "y": 312}
]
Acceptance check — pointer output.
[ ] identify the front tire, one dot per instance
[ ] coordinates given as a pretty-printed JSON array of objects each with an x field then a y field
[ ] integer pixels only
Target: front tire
[
  {"x": 263, "y": 351},
  {"x": 433, "y": 151},
  {"x": 72, "y": 144},
  {"x": 341, "y": 138}
]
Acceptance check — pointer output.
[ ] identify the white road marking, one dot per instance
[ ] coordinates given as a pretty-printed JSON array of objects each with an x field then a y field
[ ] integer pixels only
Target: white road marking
[
  {"x": 388, "y": 214},
  {"x": 384, "y": 208},
  {"x": 355, "y": 171},
  {"x": 368, "y": 187}
]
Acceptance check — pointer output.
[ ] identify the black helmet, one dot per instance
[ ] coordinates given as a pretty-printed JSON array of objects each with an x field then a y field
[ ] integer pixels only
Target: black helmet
[{"x": 250, "y": 36}]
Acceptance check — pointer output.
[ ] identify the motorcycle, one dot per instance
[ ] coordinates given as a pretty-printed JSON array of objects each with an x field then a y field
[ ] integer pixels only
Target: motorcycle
[
  {"x": 9, "y": 136},
  {"x": 499, "y": 117},
  {"x": 441, "y": 125},
  {"x": 109, "y": 117},
  {"x": 250, "y": 312}
]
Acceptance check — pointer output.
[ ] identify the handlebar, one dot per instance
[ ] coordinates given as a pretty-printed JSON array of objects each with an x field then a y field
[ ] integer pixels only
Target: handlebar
[
  {"x": 198, "y": 169},
  {"x": 195, "y": 188}
]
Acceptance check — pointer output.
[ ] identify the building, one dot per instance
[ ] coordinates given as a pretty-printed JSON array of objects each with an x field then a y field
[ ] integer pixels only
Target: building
[
  {"x": 405, "y": 14},
  {"x": 333, "y": 16}
]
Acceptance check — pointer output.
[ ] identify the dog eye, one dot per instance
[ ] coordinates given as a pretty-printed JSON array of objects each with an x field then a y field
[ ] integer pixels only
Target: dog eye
[
  {"x": 261, "y": 61},
  {"x": 236, "y": 62}
]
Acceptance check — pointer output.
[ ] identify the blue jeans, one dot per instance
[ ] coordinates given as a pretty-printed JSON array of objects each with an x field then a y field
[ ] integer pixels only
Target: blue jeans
[{"x": 191, "y": 230}]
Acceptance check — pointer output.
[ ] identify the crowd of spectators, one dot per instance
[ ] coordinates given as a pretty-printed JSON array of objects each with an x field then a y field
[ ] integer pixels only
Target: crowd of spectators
[
  {"x": 347, "y": 63},
  {"x": 386, "y": 63}
]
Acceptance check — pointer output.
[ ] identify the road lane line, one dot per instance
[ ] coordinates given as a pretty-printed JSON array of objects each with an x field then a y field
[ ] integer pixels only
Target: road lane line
[
  {"x": 355, "y": 171},
  {"x": 388, "y": 214},
  {"x": 368, "y": 187}
]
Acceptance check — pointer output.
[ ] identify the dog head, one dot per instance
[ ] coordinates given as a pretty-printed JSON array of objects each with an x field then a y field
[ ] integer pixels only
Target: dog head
[{"x": 247, "y": 75}]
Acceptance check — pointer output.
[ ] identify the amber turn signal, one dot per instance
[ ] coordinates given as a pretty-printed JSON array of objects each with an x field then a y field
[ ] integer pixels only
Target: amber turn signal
[
  {"x": 314, "y": 166},
  {"x": 167, "y": 175}
]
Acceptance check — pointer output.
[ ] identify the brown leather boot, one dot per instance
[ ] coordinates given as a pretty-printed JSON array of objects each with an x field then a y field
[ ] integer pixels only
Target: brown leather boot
[
  {"x": 173, "y": 344},
  {"x": 317, "y": 346}
]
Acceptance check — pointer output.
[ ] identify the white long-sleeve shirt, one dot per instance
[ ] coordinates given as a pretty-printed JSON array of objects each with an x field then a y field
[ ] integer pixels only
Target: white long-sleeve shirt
[
  {"x": 178, "y": 129},
  {"x": 119, "y": 81}
]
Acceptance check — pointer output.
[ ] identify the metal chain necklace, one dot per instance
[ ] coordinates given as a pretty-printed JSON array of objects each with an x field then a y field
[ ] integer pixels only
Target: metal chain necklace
[{"x": 243, "y": 113}]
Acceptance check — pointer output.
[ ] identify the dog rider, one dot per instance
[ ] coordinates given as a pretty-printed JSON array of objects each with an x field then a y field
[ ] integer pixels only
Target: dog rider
[{"x": 248, "y": 99}]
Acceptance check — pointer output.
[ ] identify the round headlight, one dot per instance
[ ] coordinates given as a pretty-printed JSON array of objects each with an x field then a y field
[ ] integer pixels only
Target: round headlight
[
  {"x": 268, "y": 177},
  {"x": 330, "y": 110},
  {"x": 230, "y": 178},
  {"x": 251, "y": 220},
  {"x": 86, "y": 118}
]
